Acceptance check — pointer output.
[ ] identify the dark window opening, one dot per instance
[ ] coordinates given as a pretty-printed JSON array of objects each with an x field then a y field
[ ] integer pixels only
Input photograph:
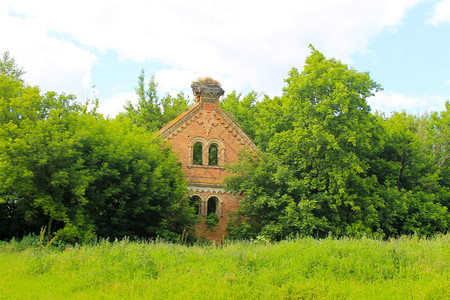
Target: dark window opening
[
  {"x": 197, "y": 158},
  {"x": 213, "y": 155},
  {"x": 212, "y": 205},
  {"x": 195, "y": 203}
]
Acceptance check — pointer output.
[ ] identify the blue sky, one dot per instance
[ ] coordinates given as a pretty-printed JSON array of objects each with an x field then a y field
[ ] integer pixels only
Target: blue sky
[{"x": 72, "y": 46}]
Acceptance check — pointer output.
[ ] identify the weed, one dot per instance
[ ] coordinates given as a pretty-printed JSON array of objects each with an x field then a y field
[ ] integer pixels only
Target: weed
[{"x": 303, "y": 268}]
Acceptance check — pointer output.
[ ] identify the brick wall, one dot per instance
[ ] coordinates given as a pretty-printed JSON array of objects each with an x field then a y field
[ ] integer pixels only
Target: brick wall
[
  {"x": 207, "y": 123},
  {"x": 230, "y": 204}
]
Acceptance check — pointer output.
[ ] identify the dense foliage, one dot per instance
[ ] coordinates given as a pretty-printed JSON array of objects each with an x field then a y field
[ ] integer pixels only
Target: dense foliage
[
  {"x": 65, "y": 167},
  {"x": 329, "y": 165},
  {"x": 326, "y": 163},
  {"x": 153, "y": 112}
]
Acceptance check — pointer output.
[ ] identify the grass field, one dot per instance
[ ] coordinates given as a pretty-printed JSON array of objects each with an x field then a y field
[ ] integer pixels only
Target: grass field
[{"x": 404, "y": 268}]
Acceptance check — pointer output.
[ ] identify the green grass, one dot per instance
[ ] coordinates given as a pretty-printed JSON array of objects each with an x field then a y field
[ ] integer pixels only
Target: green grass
[{"x": 404, "y": 268}]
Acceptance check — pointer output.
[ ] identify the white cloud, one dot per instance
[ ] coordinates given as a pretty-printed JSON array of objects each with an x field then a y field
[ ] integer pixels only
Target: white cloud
[
  {"x": 244, "y": 44},
  {"x": 388, "y": 102},
  {"x": 170, "y": 80},
  {"x": 112, "y": 106},
  {"x": 52, "y": 63},
  {"x": 441, "y": 13}
]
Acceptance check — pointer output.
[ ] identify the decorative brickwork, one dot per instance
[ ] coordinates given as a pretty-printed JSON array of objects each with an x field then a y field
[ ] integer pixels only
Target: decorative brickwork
[{"x": 206, "y": 123}]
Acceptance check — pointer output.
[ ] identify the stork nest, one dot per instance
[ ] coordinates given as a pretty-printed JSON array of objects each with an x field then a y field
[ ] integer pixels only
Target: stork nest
[{"x": 207, "y": 87}]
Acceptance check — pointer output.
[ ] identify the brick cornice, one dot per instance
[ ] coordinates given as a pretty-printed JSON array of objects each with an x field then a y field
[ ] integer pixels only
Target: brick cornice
[
  {"x": 179, "y": 121},
  {"x": 207, "y": 188}
]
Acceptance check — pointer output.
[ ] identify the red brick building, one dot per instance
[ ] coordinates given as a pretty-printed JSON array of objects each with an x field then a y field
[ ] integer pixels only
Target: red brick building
[{"x": 206, "y": 140}]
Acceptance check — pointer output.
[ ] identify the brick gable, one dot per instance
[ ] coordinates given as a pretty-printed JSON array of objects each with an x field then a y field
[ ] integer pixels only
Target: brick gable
[{"x": 207, "y": 125}]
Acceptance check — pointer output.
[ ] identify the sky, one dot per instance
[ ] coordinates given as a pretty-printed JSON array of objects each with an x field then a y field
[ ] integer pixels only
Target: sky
[{"x": 97, "y": 48}]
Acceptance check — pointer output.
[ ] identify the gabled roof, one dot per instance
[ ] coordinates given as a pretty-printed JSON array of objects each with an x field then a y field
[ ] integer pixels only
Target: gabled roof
[
  {"x": 178, "y": 124},
  {"x": 173, "y": 125}
]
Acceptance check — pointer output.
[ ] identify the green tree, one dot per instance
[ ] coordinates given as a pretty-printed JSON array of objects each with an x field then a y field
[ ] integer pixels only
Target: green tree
[
  {"x": 316, "y": 175},
  {"x": 8, "y": 67},
  {"x": 439, "y": 130},
  {"x": 260, "y": 119},
  {"x": 152, "y": 112},
  {"x": 173, "y": 106},
  {"x": 243, "y": 109},
  {"x": 81, "y": 175},
  {"x": 329, "y": 165},
  {"x": 414, "y": 196}
]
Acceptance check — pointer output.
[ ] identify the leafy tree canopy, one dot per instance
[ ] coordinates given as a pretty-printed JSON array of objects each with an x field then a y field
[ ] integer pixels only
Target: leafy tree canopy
[
  {"x": 327, "y": 164},
  {"x": 8, "y": 67},
  {"x": 151, "y": 111},
  {"x": 68, "y": 168}
]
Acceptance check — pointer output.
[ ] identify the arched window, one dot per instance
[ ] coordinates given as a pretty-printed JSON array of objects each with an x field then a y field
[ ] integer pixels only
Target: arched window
[
  {"x": 195, "y": 203},
  {"x": 212, "y": 205},
  {"x": 197, "y": 157},
  {"x": 213, "y": 156}
]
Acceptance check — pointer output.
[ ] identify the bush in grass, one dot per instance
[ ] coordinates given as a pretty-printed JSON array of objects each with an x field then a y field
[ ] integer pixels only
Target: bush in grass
[{"x": 211, "y": 221}]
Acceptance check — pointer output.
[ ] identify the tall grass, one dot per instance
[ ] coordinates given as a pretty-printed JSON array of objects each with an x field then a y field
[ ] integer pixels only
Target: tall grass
[{"x": 404, "y": 268}]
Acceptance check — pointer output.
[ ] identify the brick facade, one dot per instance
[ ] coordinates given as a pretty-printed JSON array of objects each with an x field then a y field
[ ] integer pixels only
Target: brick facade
[{"x": 208, "y": 126}]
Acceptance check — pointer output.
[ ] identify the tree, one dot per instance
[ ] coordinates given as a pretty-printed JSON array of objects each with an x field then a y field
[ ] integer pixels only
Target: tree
[
  {"x": 260, "y": 119},
  {"x": 151, "y": 112},
  {"x": 415, "y": 199},
  {"x": 316, "y": 175},
  {"x": 81, "y": 175},
  {"x": 242, "y": 109},
  {"x": 439, "y": 129},
  {"x": 8, "y": 67},
  {"x": 330, "y": 165}
]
